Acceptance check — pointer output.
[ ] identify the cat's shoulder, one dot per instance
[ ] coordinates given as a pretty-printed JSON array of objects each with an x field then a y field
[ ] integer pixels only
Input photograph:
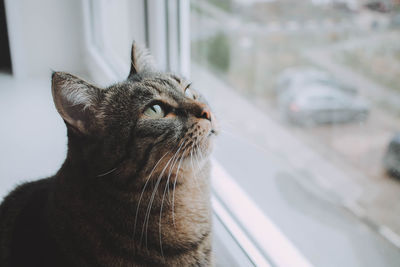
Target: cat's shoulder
[
  {"x": 24, "y": 236},
  {"x": 25, "y": 194}
]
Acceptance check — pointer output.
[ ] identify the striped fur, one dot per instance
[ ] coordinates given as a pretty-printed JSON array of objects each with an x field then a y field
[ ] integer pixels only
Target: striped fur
[{"x": 133, "y": 191}]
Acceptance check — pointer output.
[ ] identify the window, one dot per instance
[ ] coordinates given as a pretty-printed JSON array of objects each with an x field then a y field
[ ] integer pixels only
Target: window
[{"x": 308, "y": 100}]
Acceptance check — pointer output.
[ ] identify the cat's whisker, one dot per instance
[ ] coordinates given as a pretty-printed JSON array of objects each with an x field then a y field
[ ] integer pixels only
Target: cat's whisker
[
  {"x": 159, "y": 222},
  {"x": 152, "y": 198},
  {"x": 107, "y": 172},
  {"x": 150, "y": 204},
  {"x": 199, "y": 154},
  {"x": 176, "y": 159},
  {"x": 199, "y": 149},
  {"x": 202, "y": 150},
  {"x": 193, "y": 169},
  {"x": 141, "y": 194},
  {"x": 163, "y": 197},
  {"x": 173, "y": 191},
  {"x": 196, "y": 159}
]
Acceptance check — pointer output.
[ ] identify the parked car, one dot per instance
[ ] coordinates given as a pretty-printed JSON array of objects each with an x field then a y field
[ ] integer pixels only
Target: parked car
[
  {"x": 318, "y": 104},
  {"x": 297, "y": 78},
  {"x": 391, "y": 160}
]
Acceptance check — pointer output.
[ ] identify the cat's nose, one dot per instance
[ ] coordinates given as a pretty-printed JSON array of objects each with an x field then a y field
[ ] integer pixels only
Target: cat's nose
[{"x": 205, "y": 114}]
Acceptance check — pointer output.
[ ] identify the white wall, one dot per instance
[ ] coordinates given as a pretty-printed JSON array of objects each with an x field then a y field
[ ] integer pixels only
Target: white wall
[{"x": 45, "y": 35}]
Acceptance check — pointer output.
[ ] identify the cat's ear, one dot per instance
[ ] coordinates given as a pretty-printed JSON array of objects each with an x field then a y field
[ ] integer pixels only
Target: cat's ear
[
  {"x": 141, "y": 60},
  {"x": 76, "y": 101}
]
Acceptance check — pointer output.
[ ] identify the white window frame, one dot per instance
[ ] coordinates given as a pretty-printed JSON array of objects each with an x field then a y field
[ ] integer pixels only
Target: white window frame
[
  {"x": 166, "y": 30},
  {"x": 167, "y": 35}
]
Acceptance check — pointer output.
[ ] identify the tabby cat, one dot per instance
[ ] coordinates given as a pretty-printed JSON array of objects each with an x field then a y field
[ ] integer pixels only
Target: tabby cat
[{"x": 134, "y": 188}]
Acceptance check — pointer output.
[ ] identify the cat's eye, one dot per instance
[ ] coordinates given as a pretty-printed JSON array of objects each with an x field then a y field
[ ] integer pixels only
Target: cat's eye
[
  {"x": 190, "y": 94},
  {"x": 154, "y": 112}
]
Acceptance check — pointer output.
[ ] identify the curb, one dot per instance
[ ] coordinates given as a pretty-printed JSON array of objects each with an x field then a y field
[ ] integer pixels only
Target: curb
[{"x": 383, "y": 230}]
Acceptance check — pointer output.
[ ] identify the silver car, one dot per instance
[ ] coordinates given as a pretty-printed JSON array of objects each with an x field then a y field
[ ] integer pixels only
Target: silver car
[
  {"x": 296, "y": 78},
  {"x": 318, "y": 104}
]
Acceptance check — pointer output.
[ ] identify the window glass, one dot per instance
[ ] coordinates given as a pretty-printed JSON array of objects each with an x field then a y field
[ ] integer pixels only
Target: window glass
[
  {"x": 113, "y": 26},
  {"x": 307, "y": 94}
]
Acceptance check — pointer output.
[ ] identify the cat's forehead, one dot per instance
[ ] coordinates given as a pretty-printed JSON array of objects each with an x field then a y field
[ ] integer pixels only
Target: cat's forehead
[
  {"x": 147, "y": 87},
  {"x": 164, "y": 85},
  {"x": 166, "y": 82}
]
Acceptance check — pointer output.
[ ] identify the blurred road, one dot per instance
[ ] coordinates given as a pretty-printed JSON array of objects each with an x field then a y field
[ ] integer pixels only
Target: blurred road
[{"x": 310, "y": 200}]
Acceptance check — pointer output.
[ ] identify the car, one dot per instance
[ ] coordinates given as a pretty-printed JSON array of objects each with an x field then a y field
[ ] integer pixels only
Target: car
[
  {"x": 297, "y": 78},
  {"x": 391, "y": 160},
  {"x": 318, "y": 104}
]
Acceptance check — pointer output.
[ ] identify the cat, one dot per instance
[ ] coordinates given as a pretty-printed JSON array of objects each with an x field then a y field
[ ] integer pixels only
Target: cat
[{"x": 134, "y": 188}]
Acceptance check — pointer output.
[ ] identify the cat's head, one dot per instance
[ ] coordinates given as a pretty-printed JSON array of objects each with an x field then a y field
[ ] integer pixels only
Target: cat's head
[{"x": 151, "y": 120}]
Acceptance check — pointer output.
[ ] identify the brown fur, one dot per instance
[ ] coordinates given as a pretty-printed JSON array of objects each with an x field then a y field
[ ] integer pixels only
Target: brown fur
[{"x": 133, "y": 190}]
